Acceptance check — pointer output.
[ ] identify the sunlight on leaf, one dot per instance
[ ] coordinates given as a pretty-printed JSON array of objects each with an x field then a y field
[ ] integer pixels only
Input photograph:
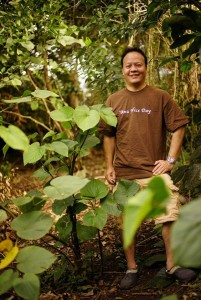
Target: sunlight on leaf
[
  {"x": 34, "y": 153},
  {"x": 86, "y": 118},
  {"x": 63, "y": 114},
  {"x": 43, "y": 94},
  {"x": 65, "y": 186},
  {"x": 14, "y": 137}
]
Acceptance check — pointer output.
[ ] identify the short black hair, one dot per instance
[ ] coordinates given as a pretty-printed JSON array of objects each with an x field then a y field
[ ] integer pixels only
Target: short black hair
[{"x": 133, "y": 49}]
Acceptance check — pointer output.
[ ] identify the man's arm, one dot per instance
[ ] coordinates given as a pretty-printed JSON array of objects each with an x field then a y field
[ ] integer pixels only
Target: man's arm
[
  {"x": 109, "y": 151},
  {"x": 163, "y": 166}
]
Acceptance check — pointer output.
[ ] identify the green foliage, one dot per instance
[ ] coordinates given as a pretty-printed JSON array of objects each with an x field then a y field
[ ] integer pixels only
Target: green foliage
[
  {"x": 182, "y": 25},
  {"x": 58, "y": 154},
  {"x": 27, "y": 287},
  {"x": 149, "y": 202},
  {"x": 125, "y": 190},
  {"x": 14, "y": 137},
  {"x": 185, "y": 239},
  {"x": 34, "y": 259},
  {"x": 32, "y": 225}
]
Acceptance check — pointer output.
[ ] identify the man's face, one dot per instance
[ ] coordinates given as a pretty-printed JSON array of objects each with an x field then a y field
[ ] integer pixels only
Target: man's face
[{"x": 134, "y": 69}]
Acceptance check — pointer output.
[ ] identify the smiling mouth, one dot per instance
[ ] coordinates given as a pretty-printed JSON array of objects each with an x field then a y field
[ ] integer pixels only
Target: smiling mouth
[{"x": 134, "y": 75}]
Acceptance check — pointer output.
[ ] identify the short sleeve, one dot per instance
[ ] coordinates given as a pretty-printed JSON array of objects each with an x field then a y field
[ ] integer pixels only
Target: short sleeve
[{"x": 174, "y": 117}]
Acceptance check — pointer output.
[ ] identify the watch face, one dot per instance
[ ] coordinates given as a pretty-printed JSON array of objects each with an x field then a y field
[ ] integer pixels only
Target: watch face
[{"x": 171, "y": 160}]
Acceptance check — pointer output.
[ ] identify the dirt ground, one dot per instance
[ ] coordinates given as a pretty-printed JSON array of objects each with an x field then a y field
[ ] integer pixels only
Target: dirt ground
[{"x": 103, "y": 283}]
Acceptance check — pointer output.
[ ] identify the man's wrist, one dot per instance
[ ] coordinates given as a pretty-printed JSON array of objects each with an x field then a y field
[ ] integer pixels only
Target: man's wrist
[{"x": 171, "y": 160}]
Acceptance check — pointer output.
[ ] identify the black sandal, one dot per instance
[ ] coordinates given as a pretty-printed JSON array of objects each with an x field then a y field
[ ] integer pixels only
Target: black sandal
[{"x": 182, "y": 274}]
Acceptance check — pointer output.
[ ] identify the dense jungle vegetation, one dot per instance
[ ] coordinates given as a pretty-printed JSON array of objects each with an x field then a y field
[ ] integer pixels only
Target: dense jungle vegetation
[{"x": 59, "y": 61}]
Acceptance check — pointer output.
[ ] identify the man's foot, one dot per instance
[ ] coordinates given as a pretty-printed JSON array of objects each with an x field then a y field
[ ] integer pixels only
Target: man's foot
[
  {"x": 129, "y": 280},
  {"x": 182, "y": 274}
]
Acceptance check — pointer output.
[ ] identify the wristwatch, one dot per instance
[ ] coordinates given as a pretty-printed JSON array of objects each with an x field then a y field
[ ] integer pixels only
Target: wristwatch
[{"x": 171, "y": 160}]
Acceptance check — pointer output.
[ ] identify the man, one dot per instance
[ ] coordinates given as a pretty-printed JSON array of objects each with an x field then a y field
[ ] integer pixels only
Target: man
[{"x": 136, "y": 148}]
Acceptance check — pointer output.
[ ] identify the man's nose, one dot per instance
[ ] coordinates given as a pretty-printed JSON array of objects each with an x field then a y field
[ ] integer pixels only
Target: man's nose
[{"x": 134, "y": 68}]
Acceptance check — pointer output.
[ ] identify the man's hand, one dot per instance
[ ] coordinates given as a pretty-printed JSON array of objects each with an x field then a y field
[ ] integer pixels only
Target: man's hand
[
  {"x": 161, "y": 167},
  {"x": 110, "y": 176}
]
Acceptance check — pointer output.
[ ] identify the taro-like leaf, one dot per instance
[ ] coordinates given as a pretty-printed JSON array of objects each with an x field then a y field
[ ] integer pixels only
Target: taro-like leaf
[
  {"x": 32, "y": 225},
  {"x": 94, "y": 189},
  {"x": 125, "y": 189},
  {"x": 63, "y": 114},
  {"x": 27, "y": 287},
  {"x": 96, "y": 218},
  {"x": 34, "y": 259},
  {"x": 34, "y": 153},
  {"x": 86, "y": 118},
  {"x": 6, "y": 280},
  {"x": 14, "y": 137},
  {"x": 65, "y": 186}
]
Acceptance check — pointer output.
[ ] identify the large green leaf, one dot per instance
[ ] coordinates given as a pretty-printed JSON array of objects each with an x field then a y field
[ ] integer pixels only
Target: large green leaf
[
  {"x": 148, "y": 203},
  {"x": 27, "y": 287},
  {"x": 34, "y": 153},
  {"x": 109, "y": 204},
  {"x": 160, "y": 198},
  {"x": 125, "y": 189},
  {"x": 65, "y": 186},
  {"x": 59, "y": 206},
  {"x": 90, "y": 142},
  {"x": 58, "y": 147},
  {"x": 6, "y": 280},
  {"x": 108, "y": 116},
  {"x": 94, "y": 189},
  {"x": 34, "y": 259},
  {"x": 63, "y": 114},
  {"x": 43, "y": 94},
  {"x": 14, "y": 137},
  {"x": 96, "y": 218},
  {"x": 86, "y": 233},
  {"x": 135, "y": 211},
  {"x": 185, "y": 238},
  {"x": 32, "y": 225},
  {"x": 86, "y": 118}
]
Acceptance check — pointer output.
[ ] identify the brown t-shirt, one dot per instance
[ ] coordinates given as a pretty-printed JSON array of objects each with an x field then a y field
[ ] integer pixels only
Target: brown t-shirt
[{"x": 142, "y": 120}]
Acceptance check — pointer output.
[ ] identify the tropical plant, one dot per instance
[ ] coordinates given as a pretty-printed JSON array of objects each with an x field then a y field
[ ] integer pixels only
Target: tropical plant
[{"x": 58, "y": 154}]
